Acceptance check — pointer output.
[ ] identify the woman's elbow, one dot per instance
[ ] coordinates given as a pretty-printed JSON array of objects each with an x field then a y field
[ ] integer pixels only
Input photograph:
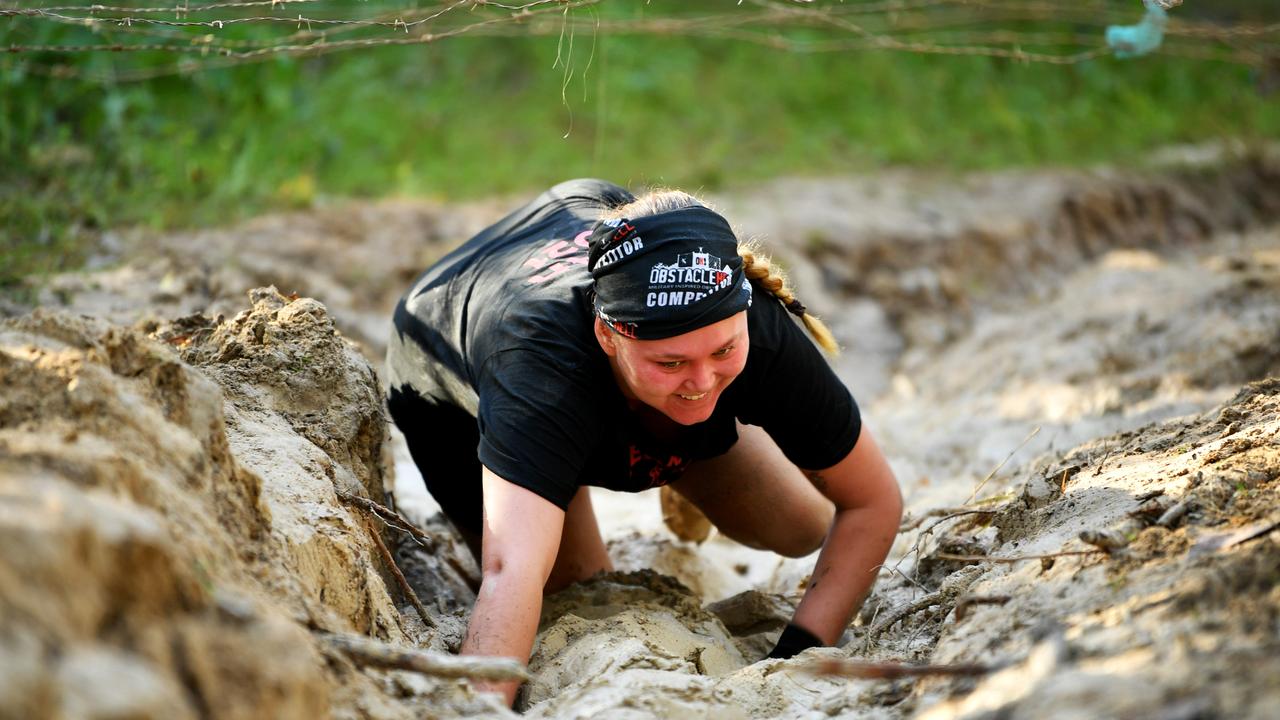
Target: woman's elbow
[{"x": 894, "y": 506}]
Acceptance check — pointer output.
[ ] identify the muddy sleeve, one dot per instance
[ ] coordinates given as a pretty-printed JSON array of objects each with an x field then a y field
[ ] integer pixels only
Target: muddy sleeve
[
  {"x": 799, "y": 401},
  {"x": 535, "y": 423}
]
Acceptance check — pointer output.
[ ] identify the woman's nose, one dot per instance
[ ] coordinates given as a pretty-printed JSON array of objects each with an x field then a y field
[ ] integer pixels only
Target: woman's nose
[{"x": 702, "y": 377}]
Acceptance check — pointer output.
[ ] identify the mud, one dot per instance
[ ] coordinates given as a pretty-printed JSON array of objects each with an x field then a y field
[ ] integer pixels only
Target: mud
[{"x": 1076, "y": 371}]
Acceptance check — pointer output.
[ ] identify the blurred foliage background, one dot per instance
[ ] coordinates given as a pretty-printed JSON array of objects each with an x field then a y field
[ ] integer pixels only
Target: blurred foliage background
[{"x": 94, "y": 140}]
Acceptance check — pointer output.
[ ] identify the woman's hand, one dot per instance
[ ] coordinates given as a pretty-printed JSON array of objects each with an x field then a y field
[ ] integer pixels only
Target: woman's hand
[
  {"x": 521, "y": 537},
  {"x": 756, "y": 496},
  {"x": 868, "y": 512},
  {"x": 530, "y": 546}
]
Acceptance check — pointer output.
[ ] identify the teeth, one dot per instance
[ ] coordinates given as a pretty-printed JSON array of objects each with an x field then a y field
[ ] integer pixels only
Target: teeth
[{"x": 699, "y": 396}]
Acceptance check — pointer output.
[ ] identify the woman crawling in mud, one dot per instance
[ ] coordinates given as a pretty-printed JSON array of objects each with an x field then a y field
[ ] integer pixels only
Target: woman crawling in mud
[{"x": 593, "y": 338}]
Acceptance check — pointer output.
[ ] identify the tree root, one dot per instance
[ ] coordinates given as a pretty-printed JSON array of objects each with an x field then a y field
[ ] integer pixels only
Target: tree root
[
  {"x": 890, "y": 671},
  {"x": 954, "y": 586},
  {"x": 372, "y": 653}
]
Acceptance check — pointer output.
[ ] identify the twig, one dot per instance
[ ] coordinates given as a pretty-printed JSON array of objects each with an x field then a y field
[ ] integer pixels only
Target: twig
[
  {"x": 962, "y": 605},
  {"x": 914, "y": 523},
  {"x": 952, "y": 587},
  {"x": 404, "y": 584},
  {"x": 929, "y": 530},
  {"x": 900, "y": 573},
  {"x": 1002, "y": 462},
  {"x": 1102, "y": 464},
  {"x": 954, "y": 515},
  {"x": 399, "y": 522},
  {"x": 387, "y": 514},
  {"x": 889, "y": 671},
  {"x": 1171, "y": 516},
  {"x": 915, "y": 550},
  {"x": 373, "y": 653},
  {"x": 1016, "y": 558}
]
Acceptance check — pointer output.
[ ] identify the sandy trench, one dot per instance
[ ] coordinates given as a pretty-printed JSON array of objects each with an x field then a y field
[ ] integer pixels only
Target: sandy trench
[{"x": 171, "y": 544}]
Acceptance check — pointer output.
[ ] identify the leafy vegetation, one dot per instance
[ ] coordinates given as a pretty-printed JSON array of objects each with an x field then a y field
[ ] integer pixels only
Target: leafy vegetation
[{"x": 477, "y": 115}]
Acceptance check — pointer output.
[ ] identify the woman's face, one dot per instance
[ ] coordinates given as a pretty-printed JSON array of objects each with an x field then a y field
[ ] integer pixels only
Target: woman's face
[{"x": 682, "y": 376}]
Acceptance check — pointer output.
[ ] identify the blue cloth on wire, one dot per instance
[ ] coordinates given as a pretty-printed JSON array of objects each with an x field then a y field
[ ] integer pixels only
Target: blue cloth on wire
[{"x": 1136, "y": 40}]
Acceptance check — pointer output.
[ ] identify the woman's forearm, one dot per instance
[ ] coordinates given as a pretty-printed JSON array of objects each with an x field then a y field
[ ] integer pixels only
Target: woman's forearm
[
  {"x": 504, "y": 622},
  {"x": 847, "y": 567}
]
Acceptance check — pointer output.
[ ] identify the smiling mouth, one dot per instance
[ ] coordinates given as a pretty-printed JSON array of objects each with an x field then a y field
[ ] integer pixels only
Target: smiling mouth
[{"x": 699, "y": 396}]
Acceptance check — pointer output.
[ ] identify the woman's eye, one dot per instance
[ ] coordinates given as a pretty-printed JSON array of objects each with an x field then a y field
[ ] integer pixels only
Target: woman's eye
[
  {"x": 723, "y": 351},
  {"x": 671, "y": 364}
]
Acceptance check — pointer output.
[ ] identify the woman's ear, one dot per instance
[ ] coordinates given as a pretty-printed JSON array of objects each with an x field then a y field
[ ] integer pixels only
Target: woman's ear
[{"x": 604, "y": 336}]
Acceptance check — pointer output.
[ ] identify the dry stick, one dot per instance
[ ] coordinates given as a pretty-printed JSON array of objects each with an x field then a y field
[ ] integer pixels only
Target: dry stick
[
  {"x": 890, "y": 671},
  {"x": 915, "y": 548},
  {"x": 404, "y": 584},
  {"x": 387, "y": 513},
  {"x": 1016, "y": 558},
  {"x": 952, "y": 587},
  {"x": 954, "y": 515},
  {"x": 1171, "y": 516},
  {"x": 903, "y": 575},
  {"x": 1102, "y": 464},
  {"x": 370, "y": 652},
  {"x": 400, "y": 522},
  {"x": 914, "y": 523},
  {"x": 963, "y": 604},
  {"x": 929, "y": 530},
  {"x": 1002, "y": 462}
]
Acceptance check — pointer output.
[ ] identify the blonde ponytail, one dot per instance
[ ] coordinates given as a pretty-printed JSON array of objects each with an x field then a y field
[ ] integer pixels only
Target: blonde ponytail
[{"x": 763, "y": 275}]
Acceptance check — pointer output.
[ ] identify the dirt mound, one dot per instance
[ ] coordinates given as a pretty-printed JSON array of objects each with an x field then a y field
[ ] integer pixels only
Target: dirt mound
[
  {"x": 170, "y": 536},
  {"x": 1178, "y": 617}
]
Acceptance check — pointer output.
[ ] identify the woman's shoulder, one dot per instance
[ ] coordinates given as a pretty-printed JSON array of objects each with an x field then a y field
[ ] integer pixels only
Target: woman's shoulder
[
  {"x": 771, "y": 327},
  {"x": 558, "y": 360}
]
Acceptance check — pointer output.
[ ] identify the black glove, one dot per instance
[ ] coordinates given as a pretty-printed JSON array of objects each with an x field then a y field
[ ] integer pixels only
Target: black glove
[{"x": 793, "y": 641}]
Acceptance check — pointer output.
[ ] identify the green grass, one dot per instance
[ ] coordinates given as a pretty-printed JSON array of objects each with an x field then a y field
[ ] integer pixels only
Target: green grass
[{"x": 475, "y": 116}]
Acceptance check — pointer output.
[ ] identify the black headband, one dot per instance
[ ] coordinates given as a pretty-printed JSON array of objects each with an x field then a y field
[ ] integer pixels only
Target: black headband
[{"x": 667, "y": 274}]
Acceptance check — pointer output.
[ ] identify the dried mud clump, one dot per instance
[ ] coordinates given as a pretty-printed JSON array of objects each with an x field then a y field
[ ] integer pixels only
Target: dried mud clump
[
  {"x": 285, "y": 356},
  {"x": 170, "y": 536}
]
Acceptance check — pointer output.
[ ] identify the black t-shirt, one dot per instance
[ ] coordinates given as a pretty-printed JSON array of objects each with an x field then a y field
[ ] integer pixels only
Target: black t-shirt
[{"x": 502, "y": 327}]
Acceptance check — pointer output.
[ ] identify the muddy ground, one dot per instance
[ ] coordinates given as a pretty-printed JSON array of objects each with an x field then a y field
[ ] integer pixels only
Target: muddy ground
[{"x": 1076, "y": 376}]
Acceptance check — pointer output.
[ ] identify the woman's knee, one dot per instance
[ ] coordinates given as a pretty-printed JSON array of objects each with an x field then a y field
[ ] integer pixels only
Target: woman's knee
[
  {"x": 804, "y": 537},
  {"x": 790, "y": 534}
]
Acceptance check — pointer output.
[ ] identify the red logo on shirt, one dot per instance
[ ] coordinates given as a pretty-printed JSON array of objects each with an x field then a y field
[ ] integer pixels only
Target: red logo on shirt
[{"x": 655, "y": 471}]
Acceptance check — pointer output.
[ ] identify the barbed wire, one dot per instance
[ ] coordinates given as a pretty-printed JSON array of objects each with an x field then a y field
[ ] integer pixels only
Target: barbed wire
[
  {"x": 231, "y": 33},
  {"x": 398, "y": 24},
  {"x": 184, "y": 8},
  {"x": 171, "y": 34}
]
